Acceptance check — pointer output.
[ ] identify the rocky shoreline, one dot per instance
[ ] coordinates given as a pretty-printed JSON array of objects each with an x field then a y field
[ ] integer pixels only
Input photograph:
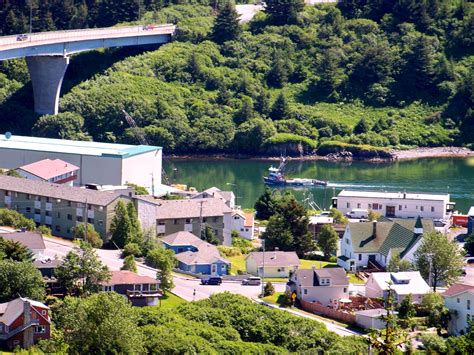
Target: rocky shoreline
[{"x": 415, "y": 153}]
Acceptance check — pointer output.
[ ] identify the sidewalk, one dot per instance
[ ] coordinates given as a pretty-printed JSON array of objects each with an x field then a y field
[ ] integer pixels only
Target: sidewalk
[{"x": 331, "y": 326}]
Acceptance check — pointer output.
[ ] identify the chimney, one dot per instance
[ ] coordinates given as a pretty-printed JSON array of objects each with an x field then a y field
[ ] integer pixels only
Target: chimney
[
  {"x": 374, "y": 229},
  {"x": 28, "y": 336}
]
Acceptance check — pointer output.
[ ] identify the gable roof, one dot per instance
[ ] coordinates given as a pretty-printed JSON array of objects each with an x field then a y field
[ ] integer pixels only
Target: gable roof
[
  {"x": 458, "y": 288},
  {"x": 31, "y": 240},
  {"x": 403, "y": 283},
  {"x": 392, "y": 234},
  {"x": 187, "y": 238},
  {"x": 214, "y": 192},
  {"x": 248, "y": 219},
  {"x": 275, "y": 258},
  {"x": 10, "y": 311},
  {"x": 57, "y": 191},
  {"x": 191, "y": 208},
  {"x": 311, "y": 277},
  {"x": 200, "y": 258},
  {"x": 47, "y": 168},
  {"x": 125, "y": 277}
]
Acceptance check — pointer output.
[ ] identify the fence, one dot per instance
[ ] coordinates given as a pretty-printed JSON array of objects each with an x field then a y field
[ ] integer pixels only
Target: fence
[{"x": 331, "y": 313}]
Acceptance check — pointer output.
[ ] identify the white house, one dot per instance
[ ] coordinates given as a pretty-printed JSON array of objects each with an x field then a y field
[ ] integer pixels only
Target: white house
[
  {"x": 372, "y": 244},
  {"x": 276, "y": 263},
  {"x": 372, "y": 318},
  {"x": 326, "y": 286},
  {"x": 402, "y": 284},
  {"x": 396, "y": 204},
  {"x": 243, "y": 223},
  {"x": 57, "y": 171},
  {"x": 459, "y": 299}
]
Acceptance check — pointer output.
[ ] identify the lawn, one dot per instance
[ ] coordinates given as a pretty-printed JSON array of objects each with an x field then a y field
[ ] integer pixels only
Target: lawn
[
  {"x": 274, "y": 299},
  {"x": 171, "y": 301},
  {"x": 238, "y": 263}
]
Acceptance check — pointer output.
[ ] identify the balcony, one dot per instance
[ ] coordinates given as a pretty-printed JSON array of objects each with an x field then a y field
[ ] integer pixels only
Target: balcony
[
  {"x": 8, "y": 200},
  {"x": 79, "y": 212},
  {"x": 48, "y": 220},
  {"x": 38, "y": 205},
  {"x": 49, "y": 206},
  {"x": 188, "y": 227},
  {"x": 90, "y": 214},
  {"x": 37, "y": 218},
  {"x": 160, "y": 229}
]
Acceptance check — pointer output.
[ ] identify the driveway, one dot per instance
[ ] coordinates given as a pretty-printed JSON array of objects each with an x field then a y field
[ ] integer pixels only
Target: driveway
[
  {"x": 187, "y": 288},
  {"x": 247, "y": 12}
]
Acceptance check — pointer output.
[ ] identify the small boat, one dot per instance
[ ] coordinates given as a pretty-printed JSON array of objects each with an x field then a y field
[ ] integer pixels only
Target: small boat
[{"x": 276, "y": 177}]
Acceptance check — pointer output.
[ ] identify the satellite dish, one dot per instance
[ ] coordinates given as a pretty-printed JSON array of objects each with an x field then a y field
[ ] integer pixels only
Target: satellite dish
[{"x": 8, "y": 135}]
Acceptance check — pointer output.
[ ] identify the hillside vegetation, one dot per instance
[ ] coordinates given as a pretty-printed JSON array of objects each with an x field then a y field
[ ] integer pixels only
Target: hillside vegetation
[{"x": 385, "y": 74}]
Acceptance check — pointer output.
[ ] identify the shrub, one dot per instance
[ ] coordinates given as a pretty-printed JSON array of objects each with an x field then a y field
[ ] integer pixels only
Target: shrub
[
  {"x": 12, "y": 218},
  {"x": 268, "y": 290},
  {"x": 131, "y": 249},
  {"x": 44, "y": 230},
  {"x": 229, "y": 251}
]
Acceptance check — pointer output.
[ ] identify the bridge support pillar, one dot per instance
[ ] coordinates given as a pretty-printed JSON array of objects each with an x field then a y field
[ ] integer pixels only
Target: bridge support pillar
[{"x": 47, "y": 73}]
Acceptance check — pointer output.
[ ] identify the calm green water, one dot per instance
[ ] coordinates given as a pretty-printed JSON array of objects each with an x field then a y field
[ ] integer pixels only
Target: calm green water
[{"x": 244, "y": 177}]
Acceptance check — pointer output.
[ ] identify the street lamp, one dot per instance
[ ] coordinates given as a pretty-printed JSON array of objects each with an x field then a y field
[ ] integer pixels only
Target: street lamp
[{"x": 263, "y": 268}]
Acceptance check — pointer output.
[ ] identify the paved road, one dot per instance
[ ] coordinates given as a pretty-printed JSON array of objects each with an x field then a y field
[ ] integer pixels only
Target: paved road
[
  {"x": 247, "y": 12},
  {"x": 44, "y": 38},
  {"x": 184, "y": 287}
]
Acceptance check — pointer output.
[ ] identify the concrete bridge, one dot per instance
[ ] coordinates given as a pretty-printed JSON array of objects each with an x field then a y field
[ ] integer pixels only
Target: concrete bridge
[{"x": 47, "y": 53}]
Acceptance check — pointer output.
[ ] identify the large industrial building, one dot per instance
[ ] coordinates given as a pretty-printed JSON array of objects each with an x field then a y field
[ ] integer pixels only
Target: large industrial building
[{"x": 99, "y": 163}]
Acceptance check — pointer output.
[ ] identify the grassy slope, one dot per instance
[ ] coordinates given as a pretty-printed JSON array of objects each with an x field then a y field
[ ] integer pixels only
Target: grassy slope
[{"x": 171, "y": 301}]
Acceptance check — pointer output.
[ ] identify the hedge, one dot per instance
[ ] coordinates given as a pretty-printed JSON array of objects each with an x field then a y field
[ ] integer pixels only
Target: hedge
[{"x": 357, "y": 150}]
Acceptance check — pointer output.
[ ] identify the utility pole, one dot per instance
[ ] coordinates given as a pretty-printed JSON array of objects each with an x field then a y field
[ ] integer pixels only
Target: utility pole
[
  {"x": 430, "y": 259},
  {"x": 263, "y": 268},
  {"x": 200, "y": 218},
  {"x": 85, "y": 221}
]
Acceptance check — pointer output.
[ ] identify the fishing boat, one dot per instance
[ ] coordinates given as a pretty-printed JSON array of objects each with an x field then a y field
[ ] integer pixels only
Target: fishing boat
[{"x": 276, "y": 177}]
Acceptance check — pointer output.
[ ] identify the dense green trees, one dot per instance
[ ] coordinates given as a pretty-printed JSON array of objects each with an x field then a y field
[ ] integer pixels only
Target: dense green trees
[
  {"x": 125, "y": 225},
  {"x": 20, "y": 279},
  {"x": 328, "y": 240},
  {"x": 92, "y": 237},
  {"x": 283, "y": 11},
  {"x": 226, "y": 26},
  {"x": 129, "y": 263},
  {"x": 163, "y": 260},
  {"x": 15, "y": 251},
  {"x": 15, "y": 219}
]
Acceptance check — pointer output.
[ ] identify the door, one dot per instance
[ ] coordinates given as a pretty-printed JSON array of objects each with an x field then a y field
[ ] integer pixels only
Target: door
[
  {"x": 213, "y": 269},
  {"x": 390, "y": 212}
]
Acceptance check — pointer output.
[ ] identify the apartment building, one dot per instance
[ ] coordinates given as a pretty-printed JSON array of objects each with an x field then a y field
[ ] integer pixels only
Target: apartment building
[
  {"x": 171, "y": 216},
  {"x": 60, "y": 207}
]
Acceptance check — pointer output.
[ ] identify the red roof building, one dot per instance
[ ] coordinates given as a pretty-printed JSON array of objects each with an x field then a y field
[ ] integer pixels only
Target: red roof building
[
  {"x": 23, "y": 322},
  {"x": 56, "y": 171}
]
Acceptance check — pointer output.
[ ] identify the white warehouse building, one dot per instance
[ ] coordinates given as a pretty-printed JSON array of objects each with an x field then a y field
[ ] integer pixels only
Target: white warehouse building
[
  {"x": 99, "y": 163},
  {"x": 396, "y": 204}
]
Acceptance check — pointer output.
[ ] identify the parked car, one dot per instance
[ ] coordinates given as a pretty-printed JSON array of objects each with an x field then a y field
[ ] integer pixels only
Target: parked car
[
  {"x": 469, "y": 260},
  {"x": 252, "y": 281},
  {"x": 358, "y": 213},
  {"x": 22, "y": 37},
  {"x": 214, "y": 280}
]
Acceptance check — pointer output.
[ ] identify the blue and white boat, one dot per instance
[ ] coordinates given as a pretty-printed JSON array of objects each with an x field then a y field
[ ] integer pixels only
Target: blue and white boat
[{"x": 276, "y": 177}]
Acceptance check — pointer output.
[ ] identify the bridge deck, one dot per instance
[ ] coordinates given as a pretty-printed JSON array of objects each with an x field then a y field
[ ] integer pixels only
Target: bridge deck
[{"x": 47, "y": 38}]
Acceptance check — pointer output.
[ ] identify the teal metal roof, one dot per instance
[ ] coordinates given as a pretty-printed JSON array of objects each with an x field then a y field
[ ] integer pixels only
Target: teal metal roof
[{"x": 74, "y": 147}]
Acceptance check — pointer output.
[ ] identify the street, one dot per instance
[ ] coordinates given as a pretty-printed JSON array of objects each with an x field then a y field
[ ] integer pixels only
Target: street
[{"x": 184, "y": 286}]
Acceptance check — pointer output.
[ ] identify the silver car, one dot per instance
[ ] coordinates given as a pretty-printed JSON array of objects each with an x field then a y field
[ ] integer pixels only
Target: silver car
[{"x": 252, "y": 281}]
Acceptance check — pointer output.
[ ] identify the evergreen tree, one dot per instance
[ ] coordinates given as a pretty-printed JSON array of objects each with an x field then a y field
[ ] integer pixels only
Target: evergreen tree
[
  {"x": 267, "y": 204},
  {"x": 15, "y": 251},
  {"x": 129, "y": 264},
  {"x": 280, "y": 108},
  {"x": 362, "y": 126},
  {"x": 226, "y": 26},
  {"x": 135, "y": 223},
  {"x": 262, "y": 102},
  {"x": 278, "y": 75},
  {"x": 121, "y": 228},
  {"x": 397, "y": 265},
  {"x": 407, "y": 308},
  {"x": 328, "y": 240},
  {"x": 268, "y": 290},
  {"x": 283, "y": 11},
  {"x": 209, "y": 236},
  {"x": 246, "y": 112}
]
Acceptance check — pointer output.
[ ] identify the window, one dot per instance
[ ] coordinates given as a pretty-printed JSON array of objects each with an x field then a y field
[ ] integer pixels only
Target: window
[
  {"x": 47, "y": 199},
  {"x": 79, "y": 219},
  {"x": 241, "y": 229},
  {"x": 8, "y": 193},
  {"x": 422, "y": 208},
  {"x": 175, "y": 221},
  {"x": 204, "y": 220},
  {"x": 40, "y": 329},
  {"x": 28, "y": 209},
  {"x": 108, "y": 288},
  {"x": 28, "y": 196},
  {"x": 358, "y": 205},
  {"x": 69, "y": 217},
  {"x": 44, "y": 312},
  {"x": 399, "y": 207},
  {"x": 347, "y": 240},
  {"x": 376, "y": 206},
  {"x": 101, "y": 222},
  {"x": 360, "y": 257},
  {"x": 161, "y": 223},
  {"x": 47, "y": 213},
  {"x": 305, "y": 291},
  {"x": 216, "y": 219},
  {"x": 58, "y": 214},
  {"x": 90, "y": 220},
  {"x": 57, "y": 228},
  {"x": 432, "y": 209},
  {"x": 370, "y": 206},
  {"x": 37, "y": 198},
  {"x": 458, "y": 300},
  {"x": 16, "y": 194},
  {"x": 468, "y": 318},
  {"x": 69, "y": 203},
  {"x": 189, "y": 220},
  {"x": 468, "y": 304},
  {"x": 90, "y": 207},
  {"x": 345, "y": 289},
  {"x": 348, "y": 205},
  {"x": 37, "y": 211}
]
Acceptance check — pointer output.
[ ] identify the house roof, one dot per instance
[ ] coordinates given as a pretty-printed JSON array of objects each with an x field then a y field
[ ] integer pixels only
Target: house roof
[
  {"x": 248, "y": 219},
  {"x": 403, "y": 283},
  {"x": 275, "y": 258},
  {"x": 125, "y": 277},
  {"x": 187, "y": 238},
  {"x": 200, "y": 258},
  {"x": 57, "y": 191},
  {"x": 395, "y": 234},
  {"x": 47, "y": 263},
  {"x": 173, "y": 209},
  {"x": 394, "y": 195},
  {"x": 458, "y": 288},
  {"x": 47, "y": 168},
  {"x": 10, "y": 311},
  {"x": 374, "y": 313},
  {"x": 31, "y": 240},
  {"x": 310, "y": 277},
  {"x": 214, "y": 192}
]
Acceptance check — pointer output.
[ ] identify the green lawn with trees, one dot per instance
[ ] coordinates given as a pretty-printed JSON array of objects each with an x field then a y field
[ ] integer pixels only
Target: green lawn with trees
[{"x": 367, "y": 73}]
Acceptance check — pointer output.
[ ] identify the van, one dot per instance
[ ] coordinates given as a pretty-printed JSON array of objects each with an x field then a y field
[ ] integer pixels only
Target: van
[
  {"x": 252, "y": 281},
  {"x": 358, "y": 213},
  {"x": 215, "y": 280}
]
